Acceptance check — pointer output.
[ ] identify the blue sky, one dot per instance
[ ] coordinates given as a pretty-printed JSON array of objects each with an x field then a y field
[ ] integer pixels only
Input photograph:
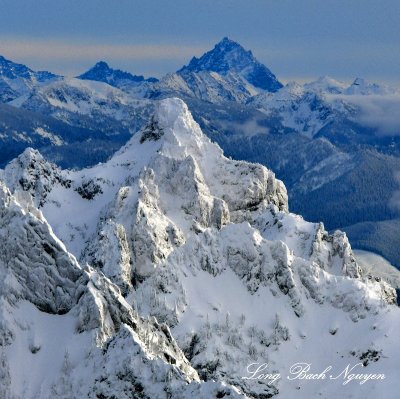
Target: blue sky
[{"x": 300, "y": 39}]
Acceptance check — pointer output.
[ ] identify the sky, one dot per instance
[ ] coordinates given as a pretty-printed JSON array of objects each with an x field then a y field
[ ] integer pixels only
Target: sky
[{"x": 297, "y": 39}]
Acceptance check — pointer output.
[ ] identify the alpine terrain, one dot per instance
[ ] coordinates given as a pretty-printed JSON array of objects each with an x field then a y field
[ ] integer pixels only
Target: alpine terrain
[
  {"x": 334, "y": 144},
  {"x": 172, "y": 271}
]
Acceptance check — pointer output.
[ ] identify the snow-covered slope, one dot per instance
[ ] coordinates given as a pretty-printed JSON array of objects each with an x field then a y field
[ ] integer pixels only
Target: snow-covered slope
[
  {"x": 308, "y": 108},
  {"x": 70, "y": 99},
  {"x": 205, "y": 244},
  {"x": 67, "y": 332}
]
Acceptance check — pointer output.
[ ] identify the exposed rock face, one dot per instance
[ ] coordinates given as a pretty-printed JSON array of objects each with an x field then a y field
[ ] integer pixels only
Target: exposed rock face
[
  {"x": 230, "y": 57},
  {"x": 36, "y": 266},
  {"x": 192, "y": 269}
]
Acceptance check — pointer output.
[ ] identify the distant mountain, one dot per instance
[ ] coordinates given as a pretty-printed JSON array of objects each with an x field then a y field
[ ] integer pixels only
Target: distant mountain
[
  {"x": 12, "y": 70},
  {"x": 101, "y": 72},
  {"x": 226, "y": 73},
  {"x": 62, "y": 117},
  {"x": 376, "y": 265},
  {"x": 228, "y": 57},
  {"x": 17, "y": 79},
  {"x": 326, "y": 84},
  {"x": 67, "y": 145}
]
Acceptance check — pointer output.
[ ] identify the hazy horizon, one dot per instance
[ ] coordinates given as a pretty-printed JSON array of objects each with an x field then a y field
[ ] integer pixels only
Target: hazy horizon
[{"x": 300, "y": 40}]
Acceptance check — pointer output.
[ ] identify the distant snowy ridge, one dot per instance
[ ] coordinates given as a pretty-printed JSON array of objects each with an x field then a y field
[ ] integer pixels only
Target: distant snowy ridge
[
  {"x": 18, "y": 79},
  {"x": 115, "y": 77}
]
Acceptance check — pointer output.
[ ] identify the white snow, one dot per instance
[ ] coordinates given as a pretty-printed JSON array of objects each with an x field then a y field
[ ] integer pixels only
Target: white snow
[
  {"x": 377, "y": 266},
  {"x": 207, "y": 245}
]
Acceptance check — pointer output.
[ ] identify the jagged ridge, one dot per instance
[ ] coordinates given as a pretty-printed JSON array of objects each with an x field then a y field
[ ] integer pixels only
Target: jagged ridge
[{"x": 197, "y": 240}]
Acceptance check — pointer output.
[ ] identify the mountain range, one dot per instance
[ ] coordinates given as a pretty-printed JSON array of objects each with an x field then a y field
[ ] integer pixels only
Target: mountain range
[
  {"x": 335, "y": 145},
  {"x": 150, "y": 241}
]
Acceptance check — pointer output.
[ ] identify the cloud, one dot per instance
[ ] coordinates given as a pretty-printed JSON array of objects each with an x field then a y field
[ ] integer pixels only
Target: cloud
[
  {"x": 61, "y": 50},
  {"x": 380, "y": 112}
]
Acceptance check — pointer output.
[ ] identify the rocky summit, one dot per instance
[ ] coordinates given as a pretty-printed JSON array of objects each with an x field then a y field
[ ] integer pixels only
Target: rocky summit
[{"x": 229, "y": 56}]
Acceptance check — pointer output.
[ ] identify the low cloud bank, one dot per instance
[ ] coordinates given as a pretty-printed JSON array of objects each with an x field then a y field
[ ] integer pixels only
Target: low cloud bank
[{"x": 380, "y": 112}]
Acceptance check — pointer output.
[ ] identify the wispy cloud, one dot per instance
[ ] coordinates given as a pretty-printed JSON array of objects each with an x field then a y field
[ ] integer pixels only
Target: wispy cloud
[
  {"x": 380, "y": 112},
  {"x": 376, "y": 111},
  {"x": 50, "y": 49}
]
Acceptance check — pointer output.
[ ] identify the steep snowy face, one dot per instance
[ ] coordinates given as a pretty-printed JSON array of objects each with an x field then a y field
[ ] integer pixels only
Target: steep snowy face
[
  {"x": 68, "y": 332},
  {"x": 101, "y": 72},
  {"x": 229, "y": 56},
  {"x": 166, "y": 184},
  {"x": 34, "y": 263}
]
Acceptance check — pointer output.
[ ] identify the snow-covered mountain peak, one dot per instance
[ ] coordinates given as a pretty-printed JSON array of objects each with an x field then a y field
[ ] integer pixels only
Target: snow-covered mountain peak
[
  {"x": 172, "y": 132},
  {"x": 170, "y": 172},
  {"x": 326, "y": 84},
  {"x": 171, "y": 228},
  {"x": 176, "y": 121},
  {"x": 102, "y": 72},
  {"x": 172, "y": 110},
  {"x": 225, "y": 56},
  {"x": 230, "y": 57},
  {"x": 359, "y": 82},
  {"x": 226, "y": 45}
]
